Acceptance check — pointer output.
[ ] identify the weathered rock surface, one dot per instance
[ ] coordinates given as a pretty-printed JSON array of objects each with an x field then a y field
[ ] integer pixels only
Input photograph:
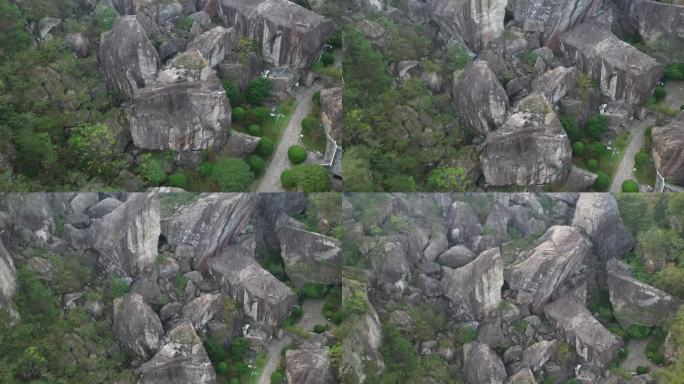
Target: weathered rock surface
[
  {"x": 128, "y": 59},
  {"x": 592, "y": 341},
  {"x": 559, "y": 253},
  {"x": 668, "y": 151},
  {"x": 475, "y": 22},
  {"x": 128, "y": 236},
  {"x": 658, "y": 22},
  {"x": 8, "y": 283},
  {"x": 531, "y": 148},
  {"x": 331, "y": 111},
  {"x": 579, "y": 180},
  {"x": 635, "y": 302},
  {"x": 481, "y": 365},
  {"x": 390, "y": 264},
  {"x": 463, "y": 222},
  {"x": 180, "y": 116},
  {"x": 287, "y": 33},
  {"x": 214, "y": 44},
  {"x": 202, "y": 309},
  {"x": 137, "y": 326},
  {"x": 308, "y": 365},
  {"x": 456, "y": 256},
  {"x": 309, "y": 257},
  {"x": 523, "y": 376},
  {"x": 537, "y": 354},
  {"x": 556, "y": 83},
  {"x": 482, "y": 107},
  {"x": 475, "y": 289},
  {"x": 622, "y": 71},
  {"x": 598, "y": 216},
  {"x": 181, "y": 359},
  {"x": 240, "y": 144},
  {"x": 204, "y": 227}
]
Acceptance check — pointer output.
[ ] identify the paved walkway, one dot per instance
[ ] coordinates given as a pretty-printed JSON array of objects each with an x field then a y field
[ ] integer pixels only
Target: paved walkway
[
  {"x": 274, "y": 350},
  {"x": 271, "y": 180},
  {"x": 636, "y": 141}
]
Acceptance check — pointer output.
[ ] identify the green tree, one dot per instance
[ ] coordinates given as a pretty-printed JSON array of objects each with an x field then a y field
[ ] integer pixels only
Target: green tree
[
  {"x": 258, "y": 91},
  {"x": 571, "y": 128},
  {"x": 232, "y": 175},
  {"x": 449, "y": 179},
  {"x": 254, "y": 130},
  {"x": 239, "y": 114},
  {"x": 31, "y": 364},
  {"x": 179, "y": 179},
  {"x": 597, "y": 125},
  {"x": 150, "y": 169},
  {"x": 233, "y": 93},
  {"x": 578, "y": 148},
  {"x": 356, "y": 170},
  {"x": 400, "y": 183},
  {"x": 13, "y": 38},
  {"x": 36, "y": 153},
  {"x": 95, "y": 148}
]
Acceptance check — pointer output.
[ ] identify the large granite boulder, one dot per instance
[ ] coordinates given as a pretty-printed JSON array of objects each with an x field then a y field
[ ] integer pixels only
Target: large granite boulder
[
  {"x": 592, "y": 341},
  {"x": 127, "y": 237},
  {"x": 531, "y": 148},
  {"x": 262, "y": 296},
  {"x": 331, "y": 111},
  {"x": 137, "y": 326},
  {"x": 481, "y": 365},
  {"x": 8, "y": 284},
  {"x": 668, "y": 150},
  {"x": 240, "y": 144},
  {"x": 181, "y": 359},
  {"x": 622, "y": 71},
  {"x": 33, "y": 214},
  {"x": 474, "y": 290},
  {"x": 659, "y": 23},
  {"x": 477, "y": 23},
  {"x": 214, "y": 44},
  {"x": 635, "y": 302},
  {"x": 202, "y": 309},
  {"x": 202, "y": 228},
  {"x": 308, "y": 365},
  {"x": 186, "y": 115},
  {"x": 389, "y": 263},
  {"x": 598, "y": 216},
  {"x": 128, "y": 59},
  {"x": 558, "y": 254},
  {"x": 287, "y": 33},
  {"x": 556, "y": 83},
  {"x": 463, "y": 222},
  {"x": 482, "y": 107},
  {"x": 309, "y": 257}
]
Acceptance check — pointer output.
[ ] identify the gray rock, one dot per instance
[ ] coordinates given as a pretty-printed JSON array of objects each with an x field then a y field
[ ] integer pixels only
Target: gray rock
[
  {"x": 518, "y": 87},
  {"x": 202, "y": 309},
  {"x": 46, "y": 25},
  {"x": 592, "y": 341},
  {"x": 214, "y": 44},
  {"x": 127, "y": 57},
  {"x": 668, "y": 151},
  {"x": 95, "y": 309},
  {"x": 78, "y": 239},
  {"x": 475, "y": 289},
  {"x": 478, "y": 23},
  {"x": 79, "y": 44},
  {"x": 418, "y": 240},
  {"x": 531, "y": 148},
  {"x": 331, "y": 111},
  {"x": 8, "y": 284},
  {"x": 622, "y": 71},
  {"x": 40, "y": 265},
  {"x": 463, "y": 222},
  {"x": 456, "y": 257},
  {"x": 483, "y": 108},
  {"x": 137, "y": 326},
  {"x": 437, "y": 245},
  {"x": 557, "y": 255},
  {"x": 523, "y": 376},
  {"x": 170, "y": 311},
  {"x": 147, "y": 287},
  {"x": 556, "y": 83},
  {"x": 171, "y": 47},
  {"x": 537, "y": 354},
  {"x": 33, "y": 212},
  {"x": 181, "y": 359},
  {"x": 82, "y": 201},
  {"x": 103, "y": 208},
  {"x": 579, "y": 180},
  {"x": 240, "y": 144},
  {"x": 481, "y": 365},
  {"x": 308, "y": 365},
  {"x": 659, "y": 23},
  {"x": 598, "y": 216}
]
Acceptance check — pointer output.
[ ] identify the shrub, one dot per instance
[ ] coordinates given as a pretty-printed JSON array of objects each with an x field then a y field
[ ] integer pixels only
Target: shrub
[
  {"x": 278, "y": 378},
  {"x": 233, "y": 93},
  {"x": 239, "y": 114},
  {"x": 465, "y": 333},
  {"x": 602, "y": 181},
  {"x": 571, "y": 128},
  {"x": 599, "y": 150},
  {"x": 641, "y": 159},
  {"x": 232, "y": 175},
  {"x": 638, "y": 331},
  {"x": 320, "y": 328},
  {"x": 257, "y": 115},
  {"x": 640, "y": 370},
  {"x": 400, "y": 183},
  {"x": 630, "y": 186},
  {"x": 310, "y": 123},
  {"x": 327, "y": 59},
  {"x": 179, "y": 180},
  {"x": 94, "y": 147},
  {"x": 313, "y": 291},
  {"x": 258, "y": 91},
  {"x": 256, "y": 164},
  {"x": 265, "y": 147},
  {"x": 674, "y": 71},
  {"x": 296, "y": 154},
  {"x": 592, "y": 164},
  {"x": 150, "y": 169},
  {"x": 597, "y": 126},
  {"x": 185, "y": 23},
  {"x": 215, "y": 350},
  {"x": 117, "y": 286},
  {"x": 659, "y": 93},
  {"x": 35, "y": 151},
  {"x": 448, "y": 179},
  {"x": 222, "y": 368},
  {"x": 287, "y": 179},
  {"x": 578, "y": 148},
  {"x": 312, "y": 178},
  {"x": 31, "y": 364},
  {"x": 13, "y": 38},
  {"x": 254, "y": 130},
  {"x": 335, "y": 40}
]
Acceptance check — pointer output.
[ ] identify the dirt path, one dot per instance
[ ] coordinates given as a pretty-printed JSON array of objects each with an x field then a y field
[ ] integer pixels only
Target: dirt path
[
  {"x": 636, "y": 141},
  {"x": 636, "y": 356},
  {"x": 274, "y": 350},
  {"x": 271, "y": 180}
]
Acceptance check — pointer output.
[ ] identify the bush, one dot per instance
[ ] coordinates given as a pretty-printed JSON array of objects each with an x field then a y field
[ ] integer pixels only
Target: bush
[
  {"x": 400, "y": 183},
  {"x": 257, "y": 115},
  {"x": 327, "y": 59},
  {"x": 597, "y": 126},
  {"x": 335, "y": 40},
  {"x": 254, "y": 130},
  {"x": 265, "y": 147},
  {"x": 256, "y": 164},
  {"x": 296, "y": 154},
  {"x": 222, "y": 368},
  {"x": 215, "y": 350},
  {"x": 232, "y": 175},
  {"x": 313, "y": 291},
  {"x": 258, "y": 91},
  {"x": 592, "y": 164},
  {"x": 448, "y": 179},
  {"x": 233, "y": 93},
  {"x": 287, "y": 179},
  {"x": 310, "y": 123},
  {"x": 578, "y": 148},
  {"x": 602, "y": 181},
  {"x": 35, "y": 151},
  {"x": 659, "y": 93},
  {"x": 95, "y": 148},
  {"x": 312, "y": 178},
  {"x": 31, "y": 364},
  {"x": 179, "y": 180},
  {"x": 320, "y": 328},
  {"x": 13, "y": 38},
  {"x": 239, "y": 114},
  {"x": 238, "y": 348},
  {"x": 641, "y": 370},
  {"x": 117, "y": 286},
  {"x": 641, "y": 159},
  {"x": 630, "y": 186},
  {"x": 571, "y": 128},
  {"x": 150, "y": 169},
  {"x": 465, "y": 333},
  {"x": 638, "y": 331},
  {"x": 674, "y": 71}
]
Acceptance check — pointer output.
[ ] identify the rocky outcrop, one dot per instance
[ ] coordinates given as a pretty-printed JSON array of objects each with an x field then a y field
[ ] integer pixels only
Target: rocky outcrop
[
  {"x": 181, "y": 359},
  {"x": 557, "y": 255},
  {"x": 598, "y": 216},
  {"x": 659, "y": 22},
  {"x": 31, "y": 215},
  {"x": 483, "y": 108},
  {"x": 127, "y": 237},
  {"x": 287, "y": 33},
  {"x": 128, "y": 59},
  {"x": 202, "y": 309},
  {"x": 556, "y": 83},
  {"x": 389, "y": 263},
  {"x": 592, "y": 341},
  {"x": 214, "y": 44},
  {"x": 262, "y": 296},
  {"x": 309, "y": 257},
  {"x": 537, "y": 354},
  {"x": 477, "y": 23},
  {"x": 202, "y": 228},
  {"x": 622, "y": 71},
  {"x": 187, "y": 115},
  {"x": 137, "y": 326},
  {"x": 8, "y": 283},
  {"x": 481, "y": 365},
  {"x": 531, "y": 148},
  {"x": 308, "y": 365},
  {"x": 635, "y": 302},
  {"x": 668, "y": 150},
  {"x": 475, "y": 289},
  {"x": 331, "y": 111}
]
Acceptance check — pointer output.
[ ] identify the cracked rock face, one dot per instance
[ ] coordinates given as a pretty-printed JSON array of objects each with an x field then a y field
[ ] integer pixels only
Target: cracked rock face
[
  {"x": 214, "y": 44},
  {"x": 308, "y": 365},
  {"x": 668, "y": 150},
  {"x": 558, "y": 254},
  {"x": 482, "y": 107},
  {"x": 137, "y": 326},
  {"x": 8, "y": 283},
  {"x": 475, "y": 22},
  {"x": 128, "y": 59}
]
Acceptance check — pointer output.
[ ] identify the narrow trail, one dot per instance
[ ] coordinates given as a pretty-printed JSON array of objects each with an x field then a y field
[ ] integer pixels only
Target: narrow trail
[
  {"x": 271, "y": 180},
  {"x": 273, "y": 359},
  {"x": 626, "y": 166},
  {"x": 636, "y": 356}
]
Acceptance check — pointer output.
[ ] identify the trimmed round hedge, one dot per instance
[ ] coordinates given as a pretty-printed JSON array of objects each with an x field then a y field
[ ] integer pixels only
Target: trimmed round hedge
[
  {"x": 630, "y": 186},
  {"x": 254, "y": 130},
  {"x": 296, "y": 154},
  {"x": 256, "y": 163},
  {"x": 265, "y": 147},
  {"x": 287, "y": 179}
]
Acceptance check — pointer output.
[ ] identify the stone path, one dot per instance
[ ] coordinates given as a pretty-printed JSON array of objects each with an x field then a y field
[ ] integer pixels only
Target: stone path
[
  {"x": 271, "y": 180},
  {"x": 274, "y": 350},
  {"x": 636, "y": 141}
]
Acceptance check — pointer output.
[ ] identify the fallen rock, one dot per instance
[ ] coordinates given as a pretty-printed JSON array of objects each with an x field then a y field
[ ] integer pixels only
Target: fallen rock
[
  {"x": 523, "y": 376},
  {"x": 482, "y": 107},
  {"x": 136, "y": 325},
  {"x": 79, "y": 44},
  {"x": 481, "y": 365},
  {"x": 668, "y": 151},
  {"x": 478, "y": 23},
  {"x": 104, "y": 207},
  {"x": 308, "y": 365}
]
